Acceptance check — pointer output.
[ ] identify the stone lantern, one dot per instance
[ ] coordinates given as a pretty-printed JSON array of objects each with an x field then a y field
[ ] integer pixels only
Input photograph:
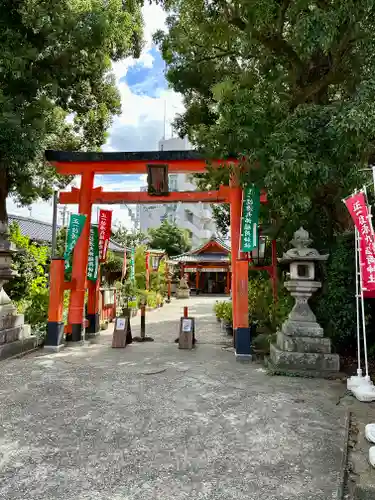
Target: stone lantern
[
  {"x": 14, "y": 335},
  {"x": 300, "y": 346},
  {"x": 7, "y": 249}
]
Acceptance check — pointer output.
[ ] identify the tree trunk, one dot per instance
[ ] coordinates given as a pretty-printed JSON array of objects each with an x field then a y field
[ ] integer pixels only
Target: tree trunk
[{"x": 3, "y": 194}]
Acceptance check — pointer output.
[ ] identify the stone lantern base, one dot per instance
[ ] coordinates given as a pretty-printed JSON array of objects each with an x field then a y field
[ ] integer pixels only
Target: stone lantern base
[
  {"x": 300, "y": 346},
  {"x": 182, "y": 293}
]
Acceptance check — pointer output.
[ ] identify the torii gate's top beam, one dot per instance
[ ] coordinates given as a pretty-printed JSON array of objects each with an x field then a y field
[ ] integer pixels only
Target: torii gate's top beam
[
  {"x": 132, "y": 197},
  {"x": 75, "y": 163}
]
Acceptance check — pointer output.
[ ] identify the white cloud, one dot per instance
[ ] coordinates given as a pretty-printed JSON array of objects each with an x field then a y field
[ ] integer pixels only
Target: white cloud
[{"x": 140, "y": 126}]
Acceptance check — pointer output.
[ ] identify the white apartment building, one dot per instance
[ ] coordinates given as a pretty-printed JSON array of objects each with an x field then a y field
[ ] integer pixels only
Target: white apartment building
[{"x": 196, "y": 218}]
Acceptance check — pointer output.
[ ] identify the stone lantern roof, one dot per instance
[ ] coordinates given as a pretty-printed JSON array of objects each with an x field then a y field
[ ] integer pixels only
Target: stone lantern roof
[{"x": 301, "y": 250}]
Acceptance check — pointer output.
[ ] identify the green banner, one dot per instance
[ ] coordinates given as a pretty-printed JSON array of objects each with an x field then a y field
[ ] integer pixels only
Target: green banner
[
  {"x": 132, "y": 265},
  {"x": 93, "y": 261},
  {"x": 250, "y": 218},
  {"x": 75, "y": 229}
]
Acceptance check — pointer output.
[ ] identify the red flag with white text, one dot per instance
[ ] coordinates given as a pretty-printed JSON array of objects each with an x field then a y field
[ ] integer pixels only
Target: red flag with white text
[
  {"x": 359, "y": 211},
  {"x": 105, "y": 222}
]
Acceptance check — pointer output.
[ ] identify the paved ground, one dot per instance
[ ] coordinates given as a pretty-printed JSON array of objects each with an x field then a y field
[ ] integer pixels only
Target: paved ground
[{"x": 154, "y": 422}]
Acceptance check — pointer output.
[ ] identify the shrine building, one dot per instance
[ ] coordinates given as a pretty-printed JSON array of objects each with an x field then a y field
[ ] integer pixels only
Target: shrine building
[{"x": 207, "y": 268}]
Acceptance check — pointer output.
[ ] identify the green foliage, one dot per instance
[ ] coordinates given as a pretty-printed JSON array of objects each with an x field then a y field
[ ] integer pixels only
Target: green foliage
[
  {"x": 170, "y": 238},
  {"x": 221, "y": 216},
  {"x": 223, "y": 310},
  {"x": 219, "y": 308},
  {"x": 262, "y": 309},
  {"x": 150, "y": 298},
  {"x": 289, "y": 86},
  {"x": 111, "y": 267},
  {"x": 36, "y": 309},
  {"x": 55, "y": 61},
  {"x": 140, "y": 267},
  {"x": 228, "y": 312},
  {"x": 29, "y": 288},
  {"x": 157, "y": 279},
  {"x": 127, "y": 238},
  {"x": 335, "y": 306},
  {"x": 30, "y": 263},
  {"x": 60, "y": 242},
  {"x": 129, "y": 289}
]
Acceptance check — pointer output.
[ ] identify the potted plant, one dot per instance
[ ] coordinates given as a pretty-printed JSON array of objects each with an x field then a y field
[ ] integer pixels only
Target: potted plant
[
  {"x": 228, "y": 318},
  {"x": 219, "y": 310}
]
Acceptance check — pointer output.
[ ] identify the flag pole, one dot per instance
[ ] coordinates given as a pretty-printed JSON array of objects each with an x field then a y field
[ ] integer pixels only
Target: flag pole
[
  {"x": 357, "y": 292},
  {"x": 367, "y": 377},
  {"x": 357, "y": 380}
]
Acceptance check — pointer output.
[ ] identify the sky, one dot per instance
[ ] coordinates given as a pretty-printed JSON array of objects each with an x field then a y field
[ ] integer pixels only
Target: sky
[{"x": 145, "y": 99}]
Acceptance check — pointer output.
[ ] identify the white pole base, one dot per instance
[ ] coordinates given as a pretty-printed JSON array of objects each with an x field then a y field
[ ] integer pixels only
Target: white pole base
[
  {"x": 370, "y": 433},
  {"x": 355, "y": 381},
  {"x": 365, "y": 392}
]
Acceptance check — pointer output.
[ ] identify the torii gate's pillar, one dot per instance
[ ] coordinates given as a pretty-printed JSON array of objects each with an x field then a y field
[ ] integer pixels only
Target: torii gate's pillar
[
  {"x": 80, "y": 259},
  {"x": 240, "y": 279}
]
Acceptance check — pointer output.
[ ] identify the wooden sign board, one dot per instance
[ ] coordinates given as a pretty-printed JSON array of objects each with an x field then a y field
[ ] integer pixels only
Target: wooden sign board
[
  {"x": 157, "y": 180},
  {"x": 122, "y": 335},
  {"x": 187, "y": 333}
]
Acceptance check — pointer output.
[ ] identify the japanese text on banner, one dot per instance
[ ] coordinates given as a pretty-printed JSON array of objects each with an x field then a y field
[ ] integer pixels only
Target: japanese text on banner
[
  {"x": 250, "y": 218},
  {"x": 76, "y": 224},
  {"x": 105, "y": 222},
  {"x": 93, "y": 259},
  {"x": 358, "y": 209}
]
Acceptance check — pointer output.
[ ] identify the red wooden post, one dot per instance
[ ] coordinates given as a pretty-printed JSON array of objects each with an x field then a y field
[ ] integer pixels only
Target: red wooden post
[
  {"x": 55, "y": 326},
  {"x": 80, "y": 258},
  {"x": 240, "y": 278},
  {"x": 186, "y": 312},
  {"x": 235, "y": 196},
  {"x": 197, "y": 280}
]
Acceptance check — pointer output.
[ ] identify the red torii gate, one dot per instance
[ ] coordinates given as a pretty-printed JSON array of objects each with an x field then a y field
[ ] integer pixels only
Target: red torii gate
[{"x": 87, "y": 165}]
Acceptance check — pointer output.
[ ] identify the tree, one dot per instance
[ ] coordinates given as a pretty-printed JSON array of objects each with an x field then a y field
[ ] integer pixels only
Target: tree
[
  {"x": 55, "y": 60},
  {"x": 170, "y": 238},
  {"x": 127, "y": 238},
  {"x": 288, "y": 87}
]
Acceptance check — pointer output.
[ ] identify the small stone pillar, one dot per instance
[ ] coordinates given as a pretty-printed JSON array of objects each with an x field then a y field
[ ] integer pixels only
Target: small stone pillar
[{"x": 300, "y": 347}]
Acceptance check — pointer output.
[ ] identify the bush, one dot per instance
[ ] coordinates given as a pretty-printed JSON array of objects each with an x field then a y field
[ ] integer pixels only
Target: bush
[
  {"x": 29, "y": 289},
  {"x": 228, "y": 313},
  {"x": 36, "y": 310},
  {"x": 30, "y": 263},
  {"x": 262, "y": 309},
  {"x": 148, "y": 297},
  {"x": 219, "y": 309}
]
